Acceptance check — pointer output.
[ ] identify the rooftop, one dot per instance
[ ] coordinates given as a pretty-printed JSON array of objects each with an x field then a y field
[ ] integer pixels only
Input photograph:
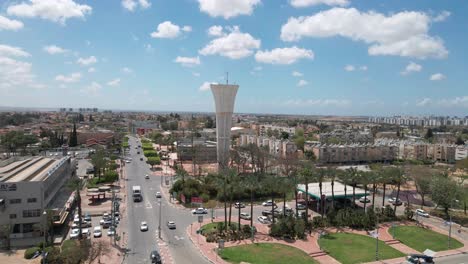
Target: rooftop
[{"x": 30, "y": 169}]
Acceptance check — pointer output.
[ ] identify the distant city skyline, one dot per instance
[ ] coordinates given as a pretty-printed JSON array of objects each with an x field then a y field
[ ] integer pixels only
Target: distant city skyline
[{"x": 385, "y": 58}]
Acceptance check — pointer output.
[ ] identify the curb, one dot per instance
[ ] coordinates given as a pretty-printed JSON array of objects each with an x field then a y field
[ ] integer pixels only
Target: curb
[{"x": 197, "y": 246}]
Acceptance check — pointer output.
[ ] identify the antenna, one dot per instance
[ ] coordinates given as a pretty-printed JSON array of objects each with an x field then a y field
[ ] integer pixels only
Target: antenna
[{"x": 227, "y": 77}]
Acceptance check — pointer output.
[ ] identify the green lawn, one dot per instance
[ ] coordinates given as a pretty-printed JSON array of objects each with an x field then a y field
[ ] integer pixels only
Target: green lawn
[
  {"x": 421, "y": 239},
  {"x": 265, "y": 253},
  {"x": 209, "y": 228},
  {"x": 352, "y": 248}
]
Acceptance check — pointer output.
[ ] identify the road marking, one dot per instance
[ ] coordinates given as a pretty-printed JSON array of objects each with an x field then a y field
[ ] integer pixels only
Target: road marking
[
  {"x": 148, "y": 206},
  {"x": 179, "y": 238}
]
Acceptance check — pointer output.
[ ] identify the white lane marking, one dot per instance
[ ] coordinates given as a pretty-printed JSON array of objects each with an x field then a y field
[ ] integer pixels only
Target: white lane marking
[
  {"x": 179, "y": 238},
  {"x": 149, "y": 206}
]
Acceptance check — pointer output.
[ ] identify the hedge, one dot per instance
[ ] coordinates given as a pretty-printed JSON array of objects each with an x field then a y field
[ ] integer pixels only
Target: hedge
[{"x": 29, "y": 253}]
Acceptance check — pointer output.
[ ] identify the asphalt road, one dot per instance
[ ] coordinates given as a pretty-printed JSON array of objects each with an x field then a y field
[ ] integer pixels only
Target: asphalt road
[
  {"x": 455, "y": 259},
  {"x": 140, "y": 243}
]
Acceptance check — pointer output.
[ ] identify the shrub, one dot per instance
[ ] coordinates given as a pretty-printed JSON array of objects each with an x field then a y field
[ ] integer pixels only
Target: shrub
[
  {"x": 110, "y": 176},
  {"x": 29, "y": 253},
  {"x": 150, "y": 153}
]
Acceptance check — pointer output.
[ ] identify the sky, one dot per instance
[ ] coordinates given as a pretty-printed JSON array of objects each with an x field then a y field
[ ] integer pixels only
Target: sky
[{"x": 325, "y": 57}]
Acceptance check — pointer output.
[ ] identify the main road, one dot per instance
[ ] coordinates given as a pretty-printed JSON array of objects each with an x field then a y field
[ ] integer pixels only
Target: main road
[{"x": 140, "y": 244}]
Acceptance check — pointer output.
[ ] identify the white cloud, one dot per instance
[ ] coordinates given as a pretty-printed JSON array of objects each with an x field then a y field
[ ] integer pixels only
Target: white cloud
[
  {"x": 87, "y": 61},
  {"x": 205, "y": 86},
  {"x": 455, "y": 102},
  {"x": 188, "y": 61},
  {"x": 187, "y": 28},
  {"x": 10, "y": 24},
  {"x": 302, "y": 83},
  {"x": 297, "y": 74},
  {"x": 53, "y": 49},
  {"x": 16, "y": 74},
  {"x": 148, "y": 48},
  {"x": 126, "y": 70},
  {"x": 91, "y": 90},
  {"x": 115, "y": 82},
  {"x": 258, "y": 68},
  {"x": 317, "y": 102},
  {"x": 437, "y": 77},
  {"x": 363, "y": 68},
  {"x": 349, "y": 68},
  {"x": 402, "y": 34},
  {"x": 442, "y": 16},
  {"x": 53, "y": 10},
  {"x": 73, "y": 77},
  {"x": 131, "y": 5},
  {"x": 283, "y": 55},
  {"x": 196, "y": 74},
  {"x": 91, "y": 70},
  {"x": 168, "y": 30},
  {"x": 11, "y": 51},
  {"x": 411, "y": 67},
  {"x": 215, "y": 31},
  {"x": 306, "y": 3},
  {"x": 235, "y": 45},
  {"x": 228, "y": 8},
  {"x": 424, "y": 102}
]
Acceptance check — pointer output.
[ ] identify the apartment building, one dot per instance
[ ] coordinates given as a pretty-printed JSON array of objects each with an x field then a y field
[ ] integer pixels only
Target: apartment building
[
  {"x": 429, "y": 121},
  {"x": 203, "y": 151},
  {"x": 29, "y": 187},
  {"x": 346, "y": 136},
  {"x": 264, "y": 128},
  {"x": 275, "y": 146}
]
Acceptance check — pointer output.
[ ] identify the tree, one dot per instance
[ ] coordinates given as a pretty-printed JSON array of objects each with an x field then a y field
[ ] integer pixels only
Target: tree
[
  {"x": 284, "y": 135},
  {"x": 423, "y": 186},
  {"x": 153, "y": 161},
  {"x": 460, "y": 141},
  {"x": 306, "y": 175},
  {"x": 429, "y": 134},
  {"x": 91, "y": 119},
  {"x": 98, "y": 249},
  {"x": 99, "y": 162},
  {"x": 398, "y": 178},
  {"x": 73, "y": 137},
  {"x": 444, "y": 191}
]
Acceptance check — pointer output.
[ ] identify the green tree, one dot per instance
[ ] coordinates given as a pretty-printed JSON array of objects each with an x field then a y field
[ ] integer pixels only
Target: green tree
[
  {"x": 423, "y": 186},
  {"x": 153, "y": 161},
  {"x": 73, "y": 137},
  {"x": 460, "y": 141},
  {"x": 99, "y": 162},
  {"x": 429, "y": 134},
  {"x": 284, "y": 135},
  {"x": 444, "y": 191}
]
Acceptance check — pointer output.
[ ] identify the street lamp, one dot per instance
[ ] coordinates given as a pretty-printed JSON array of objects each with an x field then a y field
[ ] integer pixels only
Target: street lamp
[
  {"x": 159, "y": 225},
  {"x": 450, "y": 222},
  {"x": 44, "y": 214}
]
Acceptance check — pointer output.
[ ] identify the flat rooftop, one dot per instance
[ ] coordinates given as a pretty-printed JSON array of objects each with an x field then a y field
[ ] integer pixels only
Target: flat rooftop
[
  {"x": 31, "y": 169},
  {"x": 314, "y": 190}
]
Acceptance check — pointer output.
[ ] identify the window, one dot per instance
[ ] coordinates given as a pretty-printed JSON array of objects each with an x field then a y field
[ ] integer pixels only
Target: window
[
  {"x": 12, "y": 216},
  {"x": 32, "y": 213},
  {"x": 15, "y": 201},
  {"x": 32, "y": 200}
]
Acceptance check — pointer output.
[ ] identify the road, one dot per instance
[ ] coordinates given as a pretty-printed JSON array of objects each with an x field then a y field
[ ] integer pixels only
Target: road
[
  {"x": 140, "y": 243},
  {"x": 455, "y": 259}
]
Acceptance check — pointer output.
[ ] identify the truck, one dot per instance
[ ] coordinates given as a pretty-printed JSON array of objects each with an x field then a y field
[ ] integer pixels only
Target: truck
[{"x": 137, "y": 197}]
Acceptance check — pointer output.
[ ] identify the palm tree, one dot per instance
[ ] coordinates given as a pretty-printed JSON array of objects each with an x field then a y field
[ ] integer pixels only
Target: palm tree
[
  {"x": 364, "y": 179},
  {"x": 374, "y": 178},
  {"x": 344, "y": 177},
  {"x": 320, "y": 176},
  {"x": 251, "y": 181},
  {"x": 332, "y": 176},
  {"x": 384, "y": 179},
  {"x": 306, "y": 176},
  {"x": 399, "y": 179},
  {"x": 354, "y": 175},
  {"x": 271, "y": 183}
]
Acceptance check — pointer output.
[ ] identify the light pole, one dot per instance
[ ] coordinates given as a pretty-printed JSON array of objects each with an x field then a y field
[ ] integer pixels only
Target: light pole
[
  {"x": 377, "y": 239},
  {"x": 44, "y": 214},
  {"x": 450, "y": 223},
  {"x": 159, "y": 225}
]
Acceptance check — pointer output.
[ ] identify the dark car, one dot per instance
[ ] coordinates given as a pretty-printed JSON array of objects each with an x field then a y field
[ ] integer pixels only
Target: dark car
[
  {"x": 155, "y": 257},
  {"x": 419, "y": 258},
  {"x": 268, "y": 212},
  {"x": 141, "y": 158}
]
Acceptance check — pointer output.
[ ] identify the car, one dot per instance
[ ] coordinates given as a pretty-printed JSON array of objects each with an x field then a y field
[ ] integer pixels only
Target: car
[
  {"x": 158, "y": 194},
  {"x": 83, "y": 224},
  {"x": 239, "y": 205},
  {"x": 141, "y": 159},
  {"x": 364, "y": 199},
  {"x": 422, "y": 213},
  {"x": 144, "y": 226},
  {"x": 200, "y": 210},
  {"x": 245, "y": 216},
  {"x": 74, "y": 233},
  {"x": 76, "y": 220},
  {"x": 301, "y": 206},
  {"x": 106, "y": 223},
  {"x": 87, "y": 217},
  {"x": 268, "y": 212},
  {"x": 419, "y": 258},
  {"x": 155, "y": 257},
  {"x": 288, "y": 211},
  {"x": 138, "y": 152},
  {"x": 111, "y": 231},
  {"x": 264, "y": 220},
  {"x": 171, "y": 225},
  {"x": 395, "y": 201},
  {"x": 127, "y": 161},
  {"x": 97, "y": 231},
  {"x": 269, "y": 203},
  {"x": 146, "y": 176}
]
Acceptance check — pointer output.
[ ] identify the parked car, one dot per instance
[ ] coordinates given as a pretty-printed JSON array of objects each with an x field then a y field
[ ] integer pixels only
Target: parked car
[
  {"x": 301, "y": 206},
  {"x": 158, "y": 194},
  {"x": 422, "y": 213},
  {"x": 106, "y": 224},
  {"x": 264, "y": 220},
  {"x": 111, "y": 231},
  {"x": 395, "y": 201},
  {"x": 245, "y": 216},
  {"x": 268, "y": 212},
  {"x": 144, "y": 226},
  {"x": 239, "y": 205},
  {"x": 289, "y": 211},
  {"x": 364, "y": 199},
  {"x": 138, "y": 152},
  {"x": 200, "y": 210},
  {"x": 171, "y": 225},
  {"x": 97, "y": 231},
  {"x": 83, "y": 224},
  {"x": 87, "y": 217},
  {"x": 74, "y": 233},
  {"x": 269, "y": 203},
  {"x": 155, "y": 257}
]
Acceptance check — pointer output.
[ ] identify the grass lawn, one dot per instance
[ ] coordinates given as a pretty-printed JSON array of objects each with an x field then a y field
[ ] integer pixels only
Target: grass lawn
[
  {"x": 265, "y": 253},
  {"x": 352, "y": 248},
  {"x": 422, "y": 239},
  {"x": 209, "y": 228}
]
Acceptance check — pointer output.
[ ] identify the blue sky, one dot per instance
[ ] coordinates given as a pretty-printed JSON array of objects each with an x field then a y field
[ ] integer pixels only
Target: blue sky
[{"x": 343, "y": 57}]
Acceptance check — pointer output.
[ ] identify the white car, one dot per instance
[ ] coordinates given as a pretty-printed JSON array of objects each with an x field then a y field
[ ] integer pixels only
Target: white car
[
  {"x": 144, "y": 226},
  {"x": 74, "y": 233},
  {"x": 158, "y": 194},
  {"x": 111, "y": 231},
  {"x": 245, "y": 216},
  {"x": 171, "y": 225},
  {"x": 200, "y": 210},
  {"x": 394, "y": 201},
  {"x": 127, "y": 161},
  {"x": 97, "y": 231},
  {"x": 268, "y": 203},
  {"x": 422, "y": 213},
  {"x": 146, "y": 176},
  {"x": 263, "y": 220},
  {"x": 364, "y": 199}
]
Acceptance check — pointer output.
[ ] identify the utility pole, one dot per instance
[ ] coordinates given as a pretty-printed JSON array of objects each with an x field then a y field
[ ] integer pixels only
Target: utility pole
[
  {"x": 159, "y": 225},
  {"x": 377, "y": 239}
]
